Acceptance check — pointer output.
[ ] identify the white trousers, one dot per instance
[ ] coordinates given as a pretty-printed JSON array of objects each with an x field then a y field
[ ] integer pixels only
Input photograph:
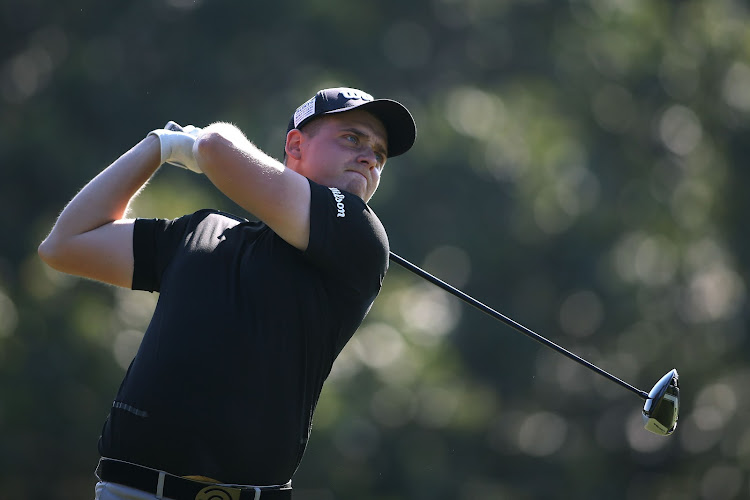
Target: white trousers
[{"x": 114, "y": 491}]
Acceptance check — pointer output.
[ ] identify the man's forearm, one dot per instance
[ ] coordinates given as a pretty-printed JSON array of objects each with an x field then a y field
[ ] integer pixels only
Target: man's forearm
[{"x": 106, "y": 197}]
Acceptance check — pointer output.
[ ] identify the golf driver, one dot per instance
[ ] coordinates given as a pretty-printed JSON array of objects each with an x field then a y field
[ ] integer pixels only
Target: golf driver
[{"x": 662, "y": 403}]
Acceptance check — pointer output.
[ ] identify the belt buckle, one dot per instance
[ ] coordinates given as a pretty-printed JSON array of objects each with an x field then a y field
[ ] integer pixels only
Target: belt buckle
[{"x": 215, "y": 492}]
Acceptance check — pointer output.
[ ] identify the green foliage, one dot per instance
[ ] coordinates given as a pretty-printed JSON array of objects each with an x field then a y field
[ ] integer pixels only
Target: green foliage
[{"x": 579, "y": 166}]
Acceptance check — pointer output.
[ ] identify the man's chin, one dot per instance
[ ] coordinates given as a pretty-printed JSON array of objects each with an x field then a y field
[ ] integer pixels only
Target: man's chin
[{"x": 357, "y": 188}]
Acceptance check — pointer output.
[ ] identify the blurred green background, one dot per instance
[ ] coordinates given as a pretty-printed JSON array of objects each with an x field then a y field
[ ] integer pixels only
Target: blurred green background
[{"x": 581, "y": 166}]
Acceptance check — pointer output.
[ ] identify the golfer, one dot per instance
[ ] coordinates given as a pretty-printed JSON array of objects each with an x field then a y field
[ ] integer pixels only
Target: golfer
[{"x": 219, "y": 399}]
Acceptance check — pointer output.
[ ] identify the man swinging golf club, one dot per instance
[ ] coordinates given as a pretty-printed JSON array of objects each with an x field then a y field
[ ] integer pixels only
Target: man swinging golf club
[{"x": 218, "y": 401}]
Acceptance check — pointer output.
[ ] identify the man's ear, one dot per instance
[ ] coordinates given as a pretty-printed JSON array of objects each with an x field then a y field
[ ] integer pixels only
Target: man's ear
[{"x": 293, "y": 146}]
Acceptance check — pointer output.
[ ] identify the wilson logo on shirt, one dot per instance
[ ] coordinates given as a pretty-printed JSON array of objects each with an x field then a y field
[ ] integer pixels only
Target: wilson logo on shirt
[{"x": 339, "y": 202}]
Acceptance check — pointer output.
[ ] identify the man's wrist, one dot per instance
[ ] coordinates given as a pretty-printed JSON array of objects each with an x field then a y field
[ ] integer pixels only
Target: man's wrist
[{"x": 176, "y": 147}]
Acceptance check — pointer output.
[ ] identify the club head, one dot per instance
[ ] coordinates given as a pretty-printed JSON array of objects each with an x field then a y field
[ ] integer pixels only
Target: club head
[{"x": 661, "y": 409}]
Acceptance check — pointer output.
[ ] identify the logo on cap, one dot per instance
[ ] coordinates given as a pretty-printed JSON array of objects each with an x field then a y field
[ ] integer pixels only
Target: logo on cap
[
  {"x": 356, "y": 94},
  {"x": 305, "y": 111}
]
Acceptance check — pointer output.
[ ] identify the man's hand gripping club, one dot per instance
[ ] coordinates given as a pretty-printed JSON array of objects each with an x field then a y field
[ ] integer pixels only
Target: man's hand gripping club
[{"x": 177, "y": 145}]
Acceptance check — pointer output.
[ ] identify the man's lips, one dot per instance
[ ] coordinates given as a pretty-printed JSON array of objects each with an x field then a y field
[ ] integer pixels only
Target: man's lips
[{"x": 360, "y": 173}]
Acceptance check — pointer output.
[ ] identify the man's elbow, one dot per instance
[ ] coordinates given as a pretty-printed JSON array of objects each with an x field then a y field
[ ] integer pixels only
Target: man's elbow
[
  {"x": 208, "y": 147},
  {"x": 52, "y": 253},
  {"x": 47, "y": 251},
  {"x": 217, "y": 140}
]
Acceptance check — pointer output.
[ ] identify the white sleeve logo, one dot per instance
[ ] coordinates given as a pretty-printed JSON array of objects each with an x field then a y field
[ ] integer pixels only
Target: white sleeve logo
[{"x": 339, "y": 202}]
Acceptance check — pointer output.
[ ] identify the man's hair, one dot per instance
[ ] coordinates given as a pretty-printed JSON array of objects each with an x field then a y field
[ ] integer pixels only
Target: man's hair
[{"x": 310, "y": 129}]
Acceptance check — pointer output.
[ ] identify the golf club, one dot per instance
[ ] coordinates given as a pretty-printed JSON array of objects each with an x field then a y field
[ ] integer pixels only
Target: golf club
[{"x": 661, "y": 407}]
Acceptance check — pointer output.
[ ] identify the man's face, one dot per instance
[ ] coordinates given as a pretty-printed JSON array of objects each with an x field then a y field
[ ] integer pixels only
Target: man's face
[{"x": 346, "y": 150}]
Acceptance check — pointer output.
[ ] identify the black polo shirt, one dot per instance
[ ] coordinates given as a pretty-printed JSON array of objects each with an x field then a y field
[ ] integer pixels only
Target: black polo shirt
[{"x": 243, "y": 336}]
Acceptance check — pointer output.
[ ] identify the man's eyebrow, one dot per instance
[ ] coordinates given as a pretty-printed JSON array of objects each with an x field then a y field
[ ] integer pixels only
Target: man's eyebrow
[{"x": 378, "y": 143}]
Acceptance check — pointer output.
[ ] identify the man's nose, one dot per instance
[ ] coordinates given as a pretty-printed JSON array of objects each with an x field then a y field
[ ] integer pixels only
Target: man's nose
[{"x": 368, "y": 157}]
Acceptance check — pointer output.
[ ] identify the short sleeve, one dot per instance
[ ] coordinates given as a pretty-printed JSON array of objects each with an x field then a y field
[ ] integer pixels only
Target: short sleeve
[
  {"x": 347, "y": 239},
  {"x": 155, "y": 241}
]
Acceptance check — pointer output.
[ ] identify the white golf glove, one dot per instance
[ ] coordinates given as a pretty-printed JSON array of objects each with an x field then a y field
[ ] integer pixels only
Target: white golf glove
[{"x": 177, "y": 145}]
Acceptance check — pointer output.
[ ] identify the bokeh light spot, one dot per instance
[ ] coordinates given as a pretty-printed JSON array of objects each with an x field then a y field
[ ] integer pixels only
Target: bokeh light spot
[{"x": 542, "y": 434}]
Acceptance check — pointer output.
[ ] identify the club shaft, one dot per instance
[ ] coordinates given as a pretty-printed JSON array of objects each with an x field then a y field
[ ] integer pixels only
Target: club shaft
[{"x": 515, "y": 325}]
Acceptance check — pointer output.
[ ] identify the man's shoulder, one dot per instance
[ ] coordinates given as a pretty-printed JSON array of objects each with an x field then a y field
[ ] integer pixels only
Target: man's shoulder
[
  {"x": 215, "y": 214},
  {"x": 196, "y": 218},
  {"x": 213, "y": 218},
  {"x": 225, "y": 226}
]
